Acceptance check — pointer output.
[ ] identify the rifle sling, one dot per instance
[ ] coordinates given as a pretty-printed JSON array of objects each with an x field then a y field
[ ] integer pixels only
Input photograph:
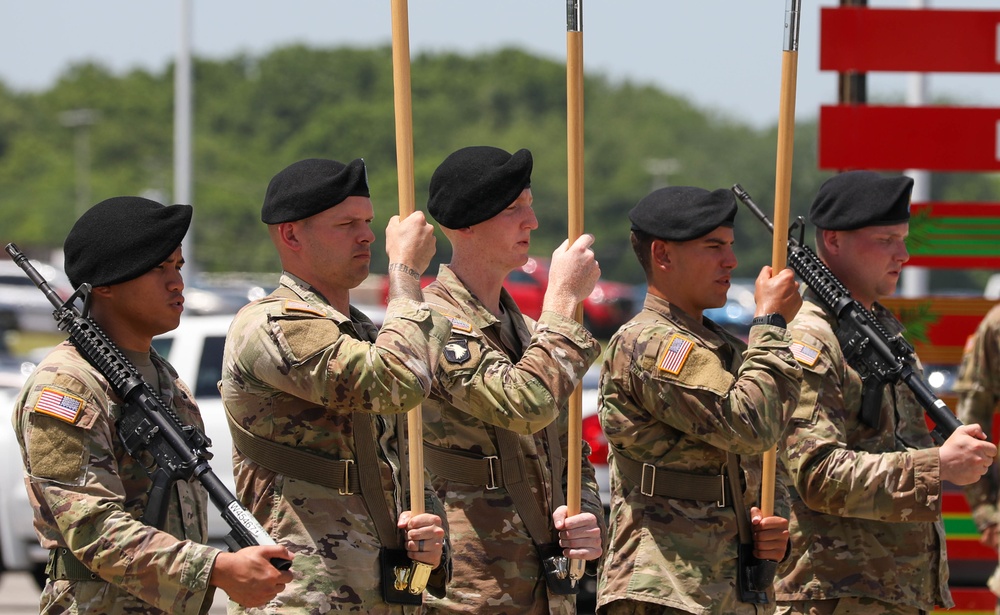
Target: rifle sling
[{"x": 346, "y": 476}]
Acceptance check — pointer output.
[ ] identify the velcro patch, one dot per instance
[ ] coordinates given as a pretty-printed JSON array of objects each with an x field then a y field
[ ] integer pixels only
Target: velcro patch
[
  {"x": 292, "y": 305},
  {"x": 675, "y": 355},
  {"x": 457, "y": 350},
  {"x": 60, "y": 405},
  {"x": 458, "y": 324},
  {"x": 804, "y": 353}
]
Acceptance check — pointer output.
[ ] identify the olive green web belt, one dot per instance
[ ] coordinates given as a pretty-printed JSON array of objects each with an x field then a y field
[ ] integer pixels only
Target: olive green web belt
[
  {"x": 652, "y": 480},
  {"x": 342, "y": 475},
  {"x": 505, "y": 470},
  {"x": 338, "y": 474},
  {"x": 63, "y": 565},
  {"x": 719, "y": 488}
]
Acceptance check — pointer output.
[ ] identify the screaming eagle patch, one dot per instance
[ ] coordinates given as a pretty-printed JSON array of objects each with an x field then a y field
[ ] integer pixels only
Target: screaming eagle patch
[{"x": 457, "y": 350}]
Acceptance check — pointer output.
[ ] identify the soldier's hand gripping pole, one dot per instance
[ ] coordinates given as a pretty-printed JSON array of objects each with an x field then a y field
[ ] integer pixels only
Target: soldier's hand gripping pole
[
  {"x": 147, "y": 424},
  {"x": 574, "y": 568},
  {"x": 414, "y": 579}
]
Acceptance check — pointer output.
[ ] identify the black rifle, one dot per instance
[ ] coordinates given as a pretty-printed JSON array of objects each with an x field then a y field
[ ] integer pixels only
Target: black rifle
[
  {"x": 879, "y": 358},
  {"x": 146, "y": 424}
]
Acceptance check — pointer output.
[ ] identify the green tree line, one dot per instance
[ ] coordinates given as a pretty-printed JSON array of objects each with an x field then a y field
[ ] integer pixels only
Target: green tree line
[{"x": 254, "y": 115}]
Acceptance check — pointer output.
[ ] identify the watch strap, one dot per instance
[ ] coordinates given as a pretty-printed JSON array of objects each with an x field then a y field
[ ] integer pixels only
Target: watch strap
[{"x": 775, "y": 319}]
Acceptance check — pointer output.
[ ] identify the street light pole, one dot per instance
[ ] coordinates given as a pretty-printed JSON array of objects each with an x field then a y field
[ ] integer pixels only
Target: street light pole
[
  {"x": 80, "y": 120},
  {"x": 182, "y": 126}
]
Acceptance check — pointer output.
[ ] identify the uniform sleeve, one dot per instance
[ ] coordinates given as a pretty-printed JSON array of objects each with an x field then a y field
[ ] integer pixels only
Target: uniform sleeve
[
  {"x": 590, "y": 494},
  {"x": 979, "y": 390},
  {"x": 73, "y": 475},
  {"x": 740, "y": 414},
  {"x": 835, "y": 478},
  {"x": 437, "y": 583},
  {"x": 523, "y": 397},
  {"x": 311, "y": 358}
]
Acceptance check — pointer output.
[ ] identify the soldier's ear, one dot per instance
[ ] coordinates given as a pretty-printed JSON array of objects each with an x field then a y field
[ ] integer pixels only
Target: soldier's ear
[
  {"x": 660, "y": 256},
  {"x": 288, "y": 234}
]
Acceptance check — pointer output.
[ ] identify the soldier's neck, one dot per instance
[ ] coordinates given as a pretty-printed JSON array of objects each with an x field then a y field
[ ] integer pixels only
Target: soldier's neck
[{"x": 482, "y": 281}]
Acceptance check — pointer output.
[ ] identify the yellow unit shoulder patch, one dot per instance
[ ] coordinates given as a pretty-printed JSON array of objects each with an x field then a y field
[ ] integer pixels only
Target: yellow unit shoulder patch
[
  {"x": 60, "y": 405},
  {"x": 804, "y": 353},
  {"x": 300, "y": 306},
  {"x": 675, "y": 355},
  {"x": 458, "y": 324}
]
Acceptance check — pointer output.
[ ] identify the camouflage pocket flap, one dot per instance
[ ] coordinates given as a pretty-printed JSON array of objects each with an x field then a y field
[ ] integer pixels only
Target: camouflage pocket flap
[
  {"x": 808, "y": 397},
  {"x": 700, "y": 368},
  {"x": 301, "y": 339}
]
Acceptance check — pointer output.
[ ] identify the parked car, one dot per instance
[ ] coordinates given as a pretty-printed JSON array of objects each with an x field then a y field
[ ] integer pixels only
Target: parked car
[{"x": 22, "y": 305}]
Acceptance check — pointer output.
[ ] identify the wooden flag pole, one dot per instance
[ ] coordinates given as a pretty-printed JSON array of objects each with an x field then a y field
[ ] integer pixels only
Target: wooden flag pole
[
  {"x": 574, "y": 147},
  {"x": 782, "y": 192},
  {"x": 419, "y": 572},
  {"x": 407, "y": 200}
]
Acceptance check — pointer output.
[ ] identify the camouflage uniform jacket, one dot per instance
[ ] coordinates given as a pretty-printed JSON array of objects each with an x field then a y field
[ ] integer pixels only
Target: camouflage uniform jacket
[
  {"x": 866, "y": 502},
  {"x": 680, "y": 394},
  {"x": 294, "y": 372},
  {"x": 89, "y": 495},
  {"x": 479, "y": 386},
  {"x": 978, "y": 388}
]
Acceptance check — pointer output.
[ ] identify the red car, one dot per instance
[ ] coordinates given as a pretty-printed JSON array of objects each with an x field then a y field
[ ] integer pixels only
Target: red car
[{"x": 608, "y": 307}]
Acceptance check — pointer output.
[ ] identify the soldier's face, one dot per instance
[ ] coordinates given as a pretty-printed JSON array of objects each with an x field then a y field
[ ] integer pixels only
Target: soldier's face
[
  {"x": 871, "y": 259},
  {"x": 337, "y": 242},
  {"x": 700, "y": 271},
  {"x": 135, "y": 311},
  {"x": 506, "y": 237}
]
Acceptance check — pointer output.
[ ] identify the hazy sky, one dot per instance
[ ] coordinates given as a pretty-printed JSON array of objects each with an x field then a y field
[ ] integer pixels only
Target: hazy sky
[{"x": 724, "y": 54}]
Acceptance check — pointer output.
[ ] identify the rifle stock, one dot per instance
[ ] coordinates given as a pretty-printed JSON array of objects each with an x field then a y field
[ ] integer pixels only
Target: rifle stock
[
  {"x": 879, "y": 358},
  {"x": 181, "y": 451}
]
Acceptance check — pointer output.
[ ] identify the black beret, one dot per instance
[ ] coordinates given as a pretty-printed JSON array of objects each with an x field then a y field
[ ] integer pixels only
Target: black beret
[
  {"x": 681, "y": 213},
  {"x": 308, "y": 187},
  {"x": 476, "y": 183},
  {"x": 121, "y": 238},
  {"x": 857, "y": 199}
]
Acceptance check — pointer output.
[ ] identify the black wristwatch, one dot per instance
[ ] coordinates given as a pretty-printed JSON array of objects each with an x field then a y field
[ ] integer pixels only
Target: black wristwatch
[{"x": 774, "y": 319}]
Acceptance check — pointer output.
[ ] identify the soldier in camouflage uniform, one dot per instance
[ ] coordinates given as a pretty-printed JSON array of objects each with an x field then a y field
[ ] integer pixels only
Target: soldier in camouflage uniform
[
  {"x": 495, "y": 423},
  {"x": 88, "y": 494},
  {"x": 978, "y": 388},
  {"x": 866, "y": 494},
  {"x": 688, "y": 409},
  {"x": 308, "y": 376}
]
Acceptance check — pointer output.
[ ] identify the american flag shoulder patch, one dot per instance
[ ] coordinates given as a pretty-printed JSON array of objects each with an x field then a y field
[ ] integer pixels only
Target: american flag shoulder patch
[
  {"x": 678, "y": 349},
  {"x": 292, "y": 305},
  {"x": 60, "y": 405},
  {"x": 804, "y": 353}
]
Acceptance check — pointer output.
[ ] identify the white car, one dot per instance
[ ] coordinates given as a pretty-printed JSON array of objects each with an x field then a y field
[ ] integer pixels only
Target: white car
[{"x": 22, "y": 305}]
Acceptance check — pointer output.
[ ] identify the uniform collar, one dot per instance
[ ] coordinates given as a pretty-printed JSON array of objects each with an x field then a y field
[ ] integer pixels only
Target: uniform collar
[
  {"x": 710, "y": 333},
  {"x": 480, "y": 316}
]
